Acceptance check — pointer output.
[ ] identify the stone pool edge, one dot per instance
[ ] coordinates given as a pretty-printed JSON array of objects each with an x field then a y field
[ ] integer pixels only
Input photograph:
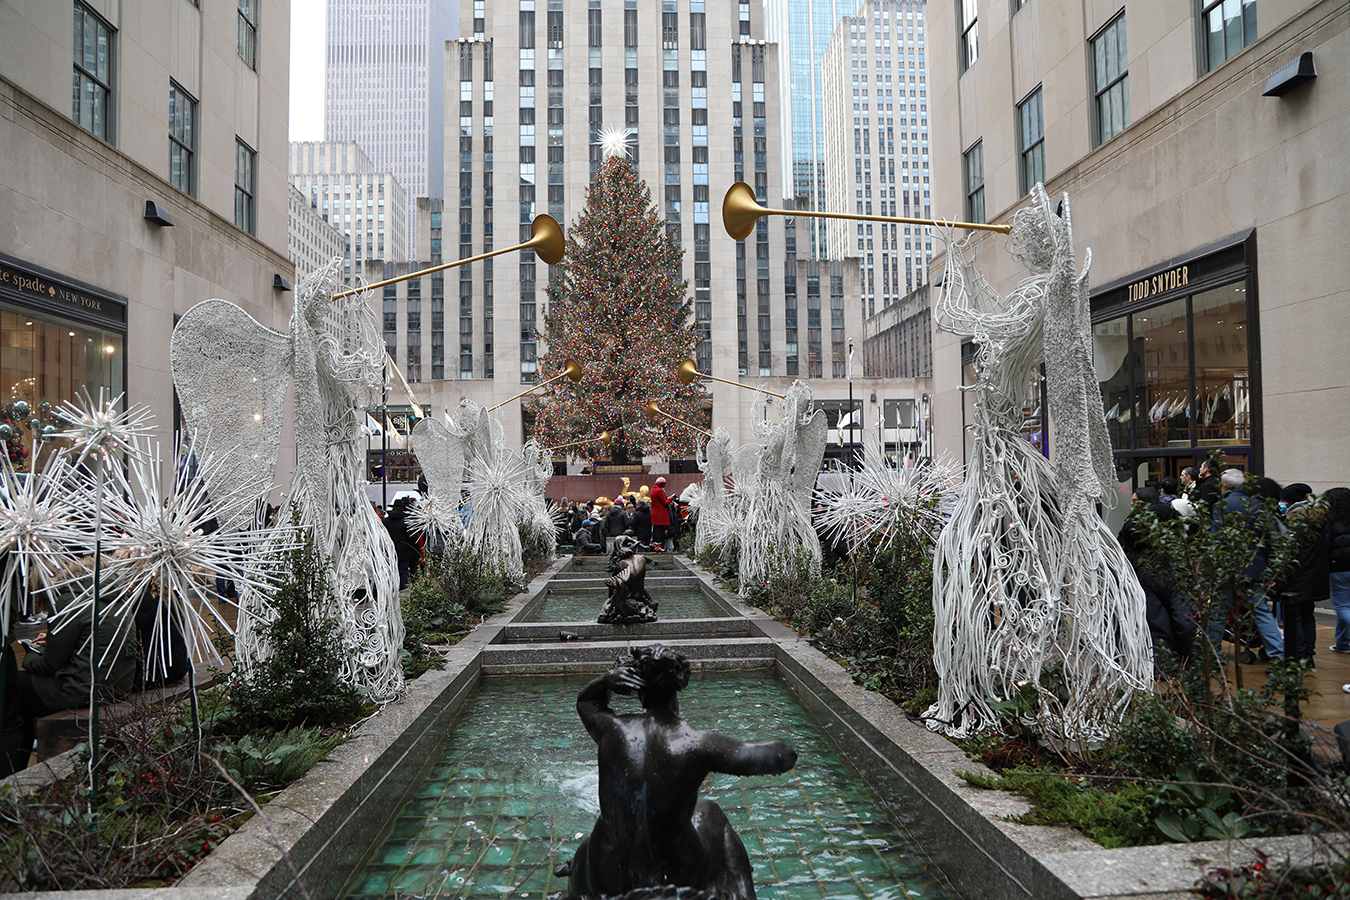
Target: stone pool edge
[{"x": 962, "y": 829}]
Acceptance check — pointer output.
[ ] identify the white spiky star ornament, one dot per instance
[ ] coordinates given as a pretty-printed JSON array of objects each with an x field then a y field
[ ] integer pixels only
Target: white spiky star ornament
[{"x": 615, "y": 141}]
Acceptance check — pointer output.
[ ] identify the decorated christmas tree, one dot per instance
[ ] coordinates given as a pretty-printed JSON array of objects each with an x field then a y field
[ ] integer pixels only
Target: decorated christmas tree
[{"x": 619, "y": 307}]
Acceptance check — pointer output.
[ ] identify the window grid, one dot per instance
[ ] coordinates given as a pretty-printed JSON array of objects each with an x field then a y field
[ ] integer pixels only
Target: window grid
[
  {"x": 974, "y": 170},
  {"x": 248, "y": 32},
  {"x": 182, "y": 139},
  {"x": 970, "y": 33},
  {"x": 245, "y": 168},
  {"x": 1111, "y": 81},
  {"x": 1031, "y": 140},
  {"x": 1227, "y": 27},
  {"x": 91, "y": 93}
]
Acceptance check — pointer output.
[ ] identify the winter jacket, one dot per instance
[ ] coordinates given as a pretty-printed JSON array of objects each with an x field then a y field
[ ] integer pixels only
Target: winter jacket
[
  {"x": 1309, "y": 581},
  {"x": 61, "y": 671},
  {"x": 1237, "y": 501},
  {"x": 616, "y": 523},
  {"x": 642, "y": 523},
  {"x": 660, "y": 506},
  {"x": 1338, "y": 547}
]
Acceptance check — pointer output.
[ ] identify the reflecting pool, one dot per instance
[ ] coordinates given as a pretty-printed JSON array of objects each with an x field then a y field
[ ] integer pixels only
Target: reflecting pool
[{"x": 515, "y": 792}]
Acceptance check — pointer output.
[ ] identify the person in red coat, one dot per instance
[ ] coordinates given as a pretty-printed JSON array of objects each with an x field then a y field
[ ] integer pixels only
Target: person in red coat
[{"x": 660, "y": 517}]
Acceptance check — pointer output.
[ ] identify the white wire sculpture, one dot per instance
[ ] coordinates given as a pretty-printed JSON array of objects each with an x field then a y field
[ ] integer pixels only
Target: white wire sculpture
[
  {"x": 543, "y": 523},
  {"x": 439, "y": 449},
  {"x": 232, "y": 375},
  {"x": 1030, "y": 588},
  {"x": 497, "y": 500},
  {"x": 767, "y": 512}
]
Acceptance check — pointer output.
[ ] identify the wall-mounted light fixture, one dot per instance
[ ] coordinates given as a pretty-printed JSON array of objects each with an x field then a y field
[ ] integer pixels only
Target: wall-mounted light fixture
[
  {"x": 279, "y": 282},
  {"x": 1290, "y": 75},
  {"x": 157, "y": 214}
]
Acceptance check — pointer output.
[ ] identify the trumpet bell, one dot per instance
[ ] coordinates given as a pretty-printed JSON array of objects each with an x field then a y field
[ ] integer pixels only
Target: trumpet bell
[
  {"x": 573, "y": 368},
  {"x": 546, "y": 237},
  {"x": 688, "y": 372},
  {"x": 653, "y": 409},
  {"x": 740, "y": 210},
  {"x": 606, "y": 438}
]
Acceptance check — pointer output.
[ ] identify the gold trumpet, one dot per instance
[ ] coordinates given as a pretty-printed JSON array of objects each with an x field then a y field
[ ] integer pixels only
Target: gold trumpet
[
  {"x": 740, "y": 210},
  {"x": 572, "y": 370},
  {"x": 654, "y": 409},
  {"x": 546, "y": 239},
  {"x": 688, "y": 373},
  {"x": 603, "y": 437}
]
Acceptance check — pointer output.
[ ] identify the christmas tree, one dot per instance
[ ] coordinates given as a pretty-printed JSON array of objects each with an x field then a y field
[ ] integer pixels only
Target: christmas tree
[{"x": 618, "y": 307}]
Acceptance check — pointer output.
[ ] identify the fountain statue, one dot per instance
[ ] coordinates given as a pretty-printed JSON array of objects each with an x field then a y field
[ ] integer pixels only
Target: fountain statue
[
  {"x": 653, "y": 829},
  {"x": 628, "y": 602}
]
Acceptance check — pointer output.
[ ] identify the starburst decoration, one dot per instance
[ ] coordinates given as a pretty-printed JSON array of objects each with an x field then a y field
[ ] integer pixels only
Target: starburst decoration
[
  {"x": 883, "y": 501},
  {"x": 40, "y": 527},
  {"x": 165, "y": 551},
  {"x": 100, "y": 428},
  {"x": 435, "y": 519},
  {"x": 614, "y": 141}
]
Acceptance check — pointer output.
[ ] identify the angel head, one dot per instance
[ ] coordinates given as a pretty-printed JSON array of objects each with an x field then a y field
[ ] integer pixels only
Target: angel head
[{"x": 1038, "y": 231}]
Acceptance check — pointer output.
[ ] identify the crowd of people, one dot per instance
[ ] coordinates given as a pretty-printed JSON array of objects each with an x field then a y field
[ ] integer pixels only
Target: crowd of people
[
  {"x": 652, "y": 517},
  {"x": 1282, "y": 599}
]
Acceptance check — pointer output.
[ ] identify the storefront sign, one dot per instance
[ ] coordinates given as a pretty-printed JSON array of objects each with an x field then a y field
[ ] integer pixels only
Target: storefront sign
[
  {"x": 1161, "y": 283},
  {"x": 38, "y": 288}
]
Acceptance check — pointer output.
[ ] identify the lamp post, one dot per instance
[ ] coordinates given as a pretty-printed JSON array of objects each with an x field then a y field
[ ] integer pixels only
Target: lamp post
[{"x": 852, "y": 414}]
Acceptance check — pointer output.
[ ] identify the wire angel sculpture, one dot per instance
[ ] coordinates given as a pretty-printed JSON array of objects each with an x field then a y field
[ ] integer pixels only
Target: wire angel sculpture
[
  {"x": 439, "y": 449},
  {"x": 767, "y": 511},
  {"x": 497, "y": 499},
  {"x": 233, "y": 374},
  {"x": 1029, "y": 585}
]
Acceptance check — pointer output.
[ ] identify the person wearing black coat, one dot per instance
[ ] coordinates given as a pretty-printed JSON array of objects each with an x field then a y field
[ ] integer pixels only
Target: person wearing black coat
[
  {"x": 642, "y": 522},
  {"x": 615, "y": 523},
  {"x": 1310, "y": 580},
  {"x": 1171, "y": 621},
  {"x": 1338, "y": 562},
  {"x": 405, "y": 545}
]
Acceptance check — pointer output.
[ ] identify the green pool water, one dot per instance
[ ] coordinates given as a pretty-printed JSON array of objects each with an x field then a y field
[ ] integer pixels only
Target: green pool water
[
  {"x": 575, "y": 603},
  {"x": 515, "y": 791}
]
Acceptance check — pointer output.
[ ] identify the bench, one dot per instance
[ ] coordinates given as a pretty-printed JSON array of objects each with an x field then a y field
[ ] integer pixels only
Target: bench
[{"x": 66, "y": 728}]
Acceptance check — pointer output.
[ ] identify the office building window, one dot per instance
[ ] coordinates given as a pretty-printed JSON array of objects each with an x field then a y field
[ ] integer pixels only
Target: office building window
[
  {"x": 974, "y": 158},
  {"x": 91, "y": 92},
  {"x": 1031, "y": 140},
  {"x": 1111, "y": 81},
  {"x": 970, "y": 33},
  {"x": 245, "y": 170},
  {"x": 182, "y": 139},
  {"x": 248, "y": 32},
  {"x": 1226, "y": 27}
]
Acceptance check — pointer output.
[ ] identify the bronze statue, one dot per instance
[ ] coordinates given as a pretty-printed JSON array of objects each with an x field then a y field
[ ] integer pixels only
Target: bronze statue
[
  {"x": 628, "y": 602},
  {"x": 653, "y": 829}
]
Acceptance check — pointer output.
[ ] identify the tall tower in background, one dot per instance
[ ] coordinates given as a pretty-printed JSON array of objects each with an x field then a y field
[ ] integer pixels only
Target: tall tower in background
[
  {"x": 385, "y": 89},
  {"x": 875, "y": 102},
  {"x": 802, "y": 29}
]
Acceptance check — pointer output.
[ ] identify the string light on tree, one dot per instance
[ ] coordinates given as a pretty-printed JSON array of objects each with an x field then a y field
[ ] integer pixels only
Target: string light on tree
[{"x": 618, "y": 306}]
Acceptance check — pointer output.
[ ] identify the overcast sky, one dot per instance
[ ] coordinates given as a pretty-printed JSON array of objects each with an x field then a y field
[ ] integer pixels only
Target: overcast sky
[{"x": 307, "y": 40}]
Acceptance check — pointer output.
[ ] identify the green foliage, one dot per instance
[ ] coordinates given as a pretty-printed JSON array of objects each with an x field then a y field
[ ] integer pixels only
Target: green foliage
[
  {"x": 536, "y": 548},
  {"x": 1191, "y": 810},
  {"x": 301, "y": 681},
  {"x": 160, "y": 807},
  {"x": 449, "y": 593},
  {"x": 272, "y": 761},
  {"x": 724, "y": 561},
  {"x": 1263, "y": 881},
  {"x": 1118, "y": 817}
]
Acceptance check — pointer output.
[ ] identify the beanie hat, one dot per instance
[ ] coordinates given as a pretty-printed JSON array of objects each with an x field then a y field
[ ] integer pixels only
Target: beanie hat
[{"x": 1295, "y": 493}]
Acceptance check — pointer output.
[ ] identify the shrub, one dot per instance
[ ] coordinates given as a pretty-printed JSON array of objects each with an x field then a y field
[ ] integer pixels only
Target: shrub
[{"x": 301, "y": 681}]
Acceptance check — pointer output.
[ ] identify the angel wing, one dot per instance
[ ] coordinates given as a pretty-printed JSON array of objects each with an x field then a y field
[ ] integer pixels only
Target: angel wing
[
  {"x": 232, "y": 374},
  {"x": 440, "y": 453}
]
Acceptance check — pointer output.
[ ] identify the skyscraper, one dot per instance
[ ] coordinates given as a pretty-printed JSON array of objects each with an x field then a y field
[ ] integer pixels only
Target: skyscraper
[
  {"x": 873, "y": 74},
  {"x": 385, "y": 89},
  {"x": 802, "y": 29}
]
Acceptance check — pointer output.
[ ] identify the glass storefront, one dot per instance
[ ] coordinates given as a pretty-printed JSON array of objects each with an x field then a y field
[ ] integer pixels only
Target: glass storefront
[
  {"x": 1175, "y": 357},
  {"x": 47, "y": 358}
]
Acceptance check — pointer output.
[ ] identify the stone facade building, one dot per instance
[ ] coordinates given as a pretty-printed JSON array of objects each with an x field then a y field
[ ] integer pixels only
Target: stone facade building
[
  {"x": 1205, "y": 171},
  {"x": 160, "y": 182}
]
